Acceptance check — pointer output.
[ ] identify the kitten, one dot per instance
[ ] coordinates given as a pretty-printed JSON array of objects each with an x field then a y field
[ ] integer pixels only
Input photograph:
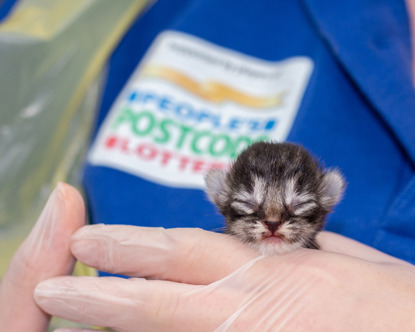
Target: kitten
[{"x": 275, "y": 196}]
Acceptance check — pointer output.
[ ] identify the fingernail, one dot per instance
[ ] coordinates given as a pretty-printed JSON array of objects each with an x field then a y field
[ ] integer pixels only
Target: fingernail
[
  {"x": 38, "y": 239},
  {"x": 85, "y": 251},
  {"x": 52, "y": 207},
  {"x": 84, "y": 242},
  {"x": 85, "y": 232},
  {"x": 45, "y": 288},
  {"x": 51, "y": 293}
]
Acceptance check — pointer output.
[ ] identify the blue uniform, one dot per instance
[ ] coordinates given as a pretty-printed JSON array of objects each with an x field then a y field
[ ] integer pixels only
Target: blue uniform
[{"x": 357, "y": 111}]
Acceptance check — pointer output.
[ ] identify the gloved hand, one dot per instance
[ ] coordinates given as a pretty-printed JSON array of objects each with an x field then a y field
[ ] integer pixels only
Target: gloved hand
[
  {"x": 44, "y": 254},
  {"x": 203, "y": 281}
]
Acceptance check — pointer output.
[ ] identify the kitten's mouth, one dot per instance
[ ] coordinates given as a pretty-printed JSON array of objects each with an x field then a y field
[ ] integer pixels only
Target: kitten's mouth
[{"x": 273, "y": 238}]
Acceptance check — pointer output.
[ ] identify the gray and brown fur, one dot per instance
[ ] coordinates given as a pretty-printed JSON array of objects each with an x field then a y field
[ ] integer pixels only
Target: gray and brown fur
[{"x": 275, "y": 196}]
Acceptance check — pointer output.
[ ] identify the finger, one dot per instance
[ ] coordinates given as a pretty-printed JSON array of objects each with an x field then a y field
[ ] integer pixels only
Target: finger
[
  {"x": 131, "y": 305},
  {"x": 340, "y": 244},
  {"x": 189, "y": 255},
  {"x": 44, "y": 254}
]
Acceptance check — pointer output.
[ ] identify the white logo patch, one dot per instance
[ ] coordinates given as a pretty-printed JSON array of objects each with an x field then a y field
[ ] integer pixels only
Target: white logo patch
[{"x": 191, "y": 106}]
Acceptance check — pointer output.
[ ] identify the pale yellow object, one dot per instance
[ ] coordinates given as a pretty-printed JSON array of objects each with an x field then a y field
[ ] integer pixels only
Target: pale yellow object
[{"x": 53, "y": 55}]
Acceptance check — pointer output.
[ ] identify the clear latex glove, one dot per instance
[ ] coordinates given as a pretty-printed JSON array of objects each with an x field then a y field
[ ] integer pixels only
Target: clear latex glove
[
  {"x": 211, "y": 282},
  {"x": 44, "y": 254}
]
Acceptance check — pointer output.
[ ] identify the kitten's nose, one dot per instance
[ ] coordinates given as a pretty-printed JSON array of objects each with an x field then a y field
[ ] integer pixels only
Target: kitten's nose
[{"x": 273, "y": 225}]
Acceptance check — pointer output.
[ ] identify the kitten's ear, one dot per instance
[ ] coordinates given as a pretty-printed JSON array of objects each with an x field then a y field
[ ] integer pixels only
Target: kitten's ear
[
  {"x": 217, "y": 187},
  {"x": 332, "y": 188}
]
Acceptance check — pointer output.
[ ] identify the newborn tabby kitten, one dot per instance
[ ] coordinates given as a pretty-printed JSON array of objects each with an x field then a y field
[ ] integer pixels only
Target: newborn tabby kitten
[{"x": 275, "y": 196}]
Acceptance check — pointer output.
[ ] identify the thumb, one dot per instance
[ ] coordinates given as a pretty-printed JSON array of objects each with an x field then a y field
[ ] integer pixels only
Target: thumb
[{"x": 44, "y": 254}]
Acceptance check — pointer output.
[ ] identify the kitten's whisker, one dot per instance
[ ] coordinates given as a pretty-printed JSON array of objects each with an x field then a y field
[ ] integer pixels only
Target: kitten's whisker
[
  {"x": 219, "y": 229},
  {"x": 309, "y": 243}
]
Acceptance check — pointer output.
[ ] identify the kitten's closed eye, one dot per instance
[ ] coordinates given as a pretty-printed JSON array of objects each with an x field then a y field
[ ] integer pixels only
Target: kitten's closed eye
[
  {"x": 275, "y": 196},
  {"x": 304, "y": 207},
  {"x": 243, "y": 208}
]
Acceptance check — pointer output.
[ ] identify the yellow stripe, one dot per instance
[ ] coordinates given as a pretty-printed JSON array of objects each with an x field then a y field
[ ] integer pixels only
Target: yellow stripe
[{"x": 211, "y": 90}]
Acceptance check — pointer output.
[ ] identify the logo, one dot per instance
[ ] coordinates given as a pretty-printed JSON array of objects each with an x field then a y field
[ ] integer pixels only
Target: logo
[{"x": 191, "y": 106}]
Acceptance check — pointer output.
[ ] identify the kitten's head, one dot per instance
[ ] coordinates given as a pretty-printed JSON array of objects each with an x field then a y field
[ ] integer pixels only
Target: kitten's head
[{"x": 275, "y": 196}]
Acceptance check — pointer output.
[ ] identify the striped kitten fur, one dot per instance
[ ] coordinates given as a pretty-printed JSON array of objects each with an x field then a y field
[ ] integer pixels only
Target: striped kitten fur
[{"x": 275, "y": 196}]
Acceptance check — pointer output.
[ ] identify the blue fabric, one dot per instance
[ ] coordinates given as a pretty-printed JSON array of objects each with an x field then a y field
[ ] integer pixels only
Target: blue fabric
[
  {"x": 5, "y": 7},
  {"x": 357, "y": 113}
]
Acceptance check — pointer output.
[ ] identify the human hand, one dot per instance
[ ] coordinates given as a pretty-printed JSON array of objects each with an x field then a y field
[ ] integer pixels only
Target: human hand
[
  {"x": 203, "y": 281},
  {"x": 44, "y": 254}
]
